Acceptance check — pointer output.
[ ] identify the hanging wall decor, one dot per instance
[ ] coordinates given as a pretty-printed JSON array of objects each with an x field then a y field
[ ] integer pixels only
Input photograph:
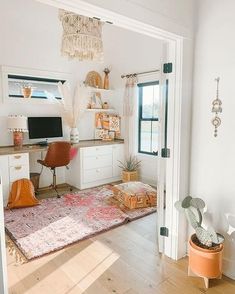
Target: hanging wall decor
[
  {"x": 82, "y": 37},
  {"x": 216, "y": 109}
]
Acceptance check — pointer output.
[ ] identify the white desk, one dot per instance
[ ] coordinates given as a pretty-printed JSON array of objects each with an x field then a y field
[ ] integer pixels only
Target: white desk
[{"x": 95, "y": 164}]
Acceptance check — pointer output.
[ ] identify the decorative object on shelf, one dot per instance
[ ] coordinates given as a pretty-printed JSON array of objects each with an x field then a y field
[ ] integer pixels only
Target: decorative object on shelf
[
  {"x": 101, "y": 133},
  {"x": 74, "y": 135},
  {"x": 106, "y": 78},
  {"x": 82, "y": 37},
  {"x": 110, "y": 123},
  {"x": 105, "y": 105},
  {"x": 26, "y": 90},
  {"x": 114, "y": 123},
  {"x": 93, "y": 79},
  {"x": 95, "y": 101},
  {"x": 216, "y": 109},
  {"x": 18, "y": 125},
  {"x": 130, "y": 168},
  {"x": 206, "y": 246},
  {"x": 112, "y": 135}
]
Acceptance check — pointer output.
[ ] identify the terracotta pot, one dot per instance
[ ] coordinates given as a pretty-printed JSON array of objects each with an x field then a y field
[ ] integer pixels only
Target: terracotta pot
[
  {"x": 204, "y": 262},
  {"x": 128, "y": 176},
  {"x": 27, "y": 92}
]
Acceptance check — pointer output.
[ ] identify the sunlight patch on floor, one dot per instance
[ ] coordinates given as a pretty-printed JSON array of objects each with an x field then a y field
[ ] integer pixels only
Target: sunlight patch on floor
[
  {"x": 90, "y": 264},
  {"x": 77, "y": 268}
]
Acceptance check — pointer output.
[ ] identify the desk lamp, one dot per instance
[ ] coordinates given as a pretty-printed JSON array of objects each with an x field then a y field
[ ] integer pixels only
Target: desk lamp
[{"x": 18, "y": 125}]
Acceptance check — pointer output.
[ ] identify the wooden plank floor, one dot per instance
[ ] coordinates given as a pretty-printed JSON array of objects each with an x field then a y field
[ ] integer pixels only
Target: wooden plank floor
[{"x": 121, "y": 261}]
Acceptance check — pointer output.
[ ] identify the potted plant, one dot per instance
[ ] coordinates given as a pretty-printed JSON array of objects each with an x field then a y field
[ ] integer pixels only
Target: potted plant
[
  {"x": 205, "y": 246},
  {"x": 26, "y": 89},
  {"x": 130, "y": 169}
]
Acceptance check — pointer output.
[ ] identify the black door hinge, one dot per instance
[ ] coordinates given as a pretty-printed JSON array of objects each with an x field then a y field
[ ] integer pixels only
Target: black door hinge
[
  {"x": 164, "y": 231},
  {"x": 167, "y": 67},
  {"x": 165, "y": 152}
]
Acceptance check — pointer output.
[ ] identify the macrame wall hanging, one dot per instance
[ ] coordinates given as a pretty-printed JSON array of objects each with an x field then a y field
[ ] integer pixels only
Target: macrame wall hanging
[
  {"x": 82, "y": 37},
  {"x": 216, "y": 109}
]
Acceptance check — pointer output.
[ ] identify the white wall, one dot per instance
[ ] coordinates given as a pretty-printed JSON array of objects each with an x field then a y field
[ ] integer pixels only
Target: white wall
[
  {"x": 38, "y": 47},
  {"x": 133, "y": 53},
  {"x": 212, "y": 159},
  {"x": 33, "y": 41}
]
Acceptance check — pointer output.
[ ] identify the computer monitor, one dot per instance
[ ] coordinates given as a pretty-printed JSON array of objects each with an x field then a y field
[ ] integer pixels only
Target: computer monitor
[{"x": 45, "y": 127}]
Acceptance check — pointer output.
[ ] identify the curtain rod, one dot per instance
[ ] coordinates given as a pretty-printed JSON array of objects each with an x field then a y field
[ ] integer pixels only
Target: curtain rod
[{"x": 139, "y": 73}]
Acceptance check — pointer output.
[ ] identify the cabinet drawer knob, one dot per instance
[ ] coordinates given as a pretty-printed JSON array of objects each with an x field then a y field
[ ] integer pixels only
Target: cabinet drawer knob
[
  {"x": 18, "y": 167},
  {"x": 17, "y": 156}
]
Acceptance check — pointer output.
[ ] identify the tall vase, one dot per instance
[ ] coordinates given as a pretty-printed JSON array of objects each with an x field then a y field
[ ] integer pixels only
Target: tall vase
[
  {"x": 106, "y": 80},
  {"x": 74, "y": 136}
]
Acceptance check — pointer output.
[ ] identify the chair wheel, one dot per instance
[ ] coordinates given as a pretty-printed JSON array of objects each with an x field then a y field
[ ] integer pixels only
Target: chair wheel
[{"x": 70, "y": 189}]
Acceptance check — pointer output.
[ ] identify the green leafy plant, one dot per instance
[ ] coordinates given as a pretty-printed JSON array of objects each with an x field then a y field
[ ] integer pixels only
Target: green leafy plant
[
  {"x": 130, "y": 164},
  {"x": 193, "y": 210}
]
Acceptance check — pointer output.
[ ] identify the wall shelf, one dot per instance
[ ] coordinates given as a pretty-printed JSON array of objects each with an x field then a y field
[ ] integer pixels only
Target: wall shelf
[
  {"x": 92, "y": 89},
  {"x": 99, "y": 109}
]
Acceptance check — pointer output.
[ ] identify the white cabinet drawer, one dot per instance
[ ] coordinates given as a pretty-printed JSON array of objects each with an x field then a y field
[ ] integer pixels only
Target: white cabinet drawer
[
  {"x": 99, "y": 150},
  {"x": 93, "y": 175},
  {"x": 92, "y": 162},
  {"x": 19, "y": 172},
  {"x": 18, "y": 159}
]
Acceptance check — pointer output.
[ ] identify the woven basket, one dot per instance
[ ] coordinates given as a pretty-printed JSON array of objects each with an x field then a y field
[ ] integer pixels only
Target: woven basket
[{"x": 129, "y": 176}]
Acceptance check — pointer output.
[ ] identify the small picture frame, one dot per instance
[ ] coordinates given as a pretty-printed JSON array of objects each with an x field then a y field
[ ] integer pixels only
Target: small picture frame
[
  {"x": 101, "y": 133},
  {"x": 96, "y": 102}
]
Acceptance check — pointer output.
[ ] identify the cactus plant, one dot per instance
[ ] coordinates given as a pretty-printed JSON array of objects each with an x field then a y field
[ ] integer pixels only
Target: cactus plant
[{"x": 193, "y": 210}]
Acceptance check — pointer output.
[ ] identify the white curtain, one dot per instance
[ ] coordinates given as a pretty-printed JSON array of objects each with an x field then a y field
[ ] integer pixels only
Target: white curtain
[{"x": 129, "y": 113}]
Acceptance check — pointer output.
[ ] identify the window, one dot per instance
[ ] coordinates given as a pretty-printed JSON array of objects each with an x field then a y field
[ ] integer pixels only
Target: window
[
  {"x": 24, "y": 85},
  {"x": 148, "y": 117},
  {"x": 34, "y": 87}
]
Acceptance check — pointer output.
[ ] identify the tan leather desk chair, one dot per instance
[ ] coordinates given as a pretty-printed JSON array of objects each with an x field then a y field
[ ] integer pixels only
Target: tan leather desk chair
[{"x": 58, "y": 154}]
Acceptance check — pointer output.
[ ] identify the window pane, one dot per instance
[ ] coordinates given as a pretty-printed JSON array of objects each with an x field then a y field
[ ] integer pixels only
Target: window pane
[
  {"x": 155, "y": 136},
  {"x": 155, "y": 101},
  {"x": 145, "y": 136},
  {"x": 36, "y": 87},
  {"x": 150, "y": 101}
]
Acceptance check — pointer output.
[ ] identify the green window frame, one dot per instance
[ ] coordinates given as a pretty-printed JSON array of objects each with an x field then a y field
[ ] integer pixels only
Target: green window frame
[{"x": 149, "y": 120}]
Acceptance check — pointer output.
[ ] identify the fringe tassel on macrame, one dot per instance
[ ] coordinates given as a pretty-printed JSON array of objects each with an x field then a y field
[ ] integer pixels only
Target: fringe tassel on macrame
[
  {"x": 82, "y": 47},
  {"x": 15, "y": 252}
]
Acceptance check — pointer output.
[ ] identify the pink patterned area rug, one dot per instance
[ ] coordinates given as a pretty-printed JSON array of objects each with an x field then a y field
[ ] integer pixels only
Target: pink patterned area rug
[{"x": 59, "y": 222}]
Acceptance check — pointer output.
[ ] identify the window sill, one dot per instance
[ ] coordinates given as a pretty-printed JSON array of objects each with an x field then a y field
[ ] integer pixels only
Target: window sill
[{"x": 146, "y": 155}]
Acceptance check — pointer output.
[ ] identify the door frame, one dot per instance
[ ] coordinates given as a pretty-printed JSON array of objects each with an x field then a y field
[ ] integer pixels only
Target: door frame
[{"x": 174, "y": 245}]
